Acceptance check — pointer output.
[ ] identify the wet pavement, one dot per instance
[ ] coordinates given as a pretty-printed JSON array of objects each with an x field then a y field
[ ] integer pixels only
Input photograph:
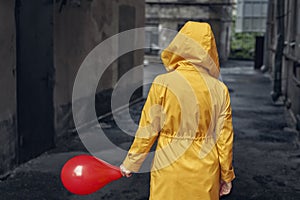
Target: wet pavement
[{"x": 266, "y": 152}]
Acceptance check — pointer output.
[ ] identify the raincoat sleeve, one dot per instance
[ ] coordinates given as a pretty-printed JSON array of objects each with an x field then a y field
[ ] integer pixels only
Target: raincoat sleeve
[
  {"x": 147, "y": 132},
  {"x": 225, "y": 140}
]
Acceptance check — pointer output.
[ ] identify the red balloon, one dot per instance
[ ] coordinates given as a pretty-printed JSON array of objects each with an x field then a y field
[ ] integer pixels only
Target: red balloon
[{"x": 86, "y": 174}]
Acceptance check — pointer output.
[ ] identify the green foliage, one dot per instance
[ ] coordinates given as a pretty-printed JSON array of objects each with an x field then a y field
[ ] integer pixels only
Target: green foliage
[{"x": 242, "y": 45}]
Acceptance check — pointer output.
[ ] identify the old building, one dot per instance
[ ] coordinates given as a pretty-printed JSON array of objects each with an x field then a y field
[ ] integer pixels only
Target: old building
[
  {"x": 172, "y": 14},
  {"x": 283, "y": 54},
  {"x": 43, "y": 43}
]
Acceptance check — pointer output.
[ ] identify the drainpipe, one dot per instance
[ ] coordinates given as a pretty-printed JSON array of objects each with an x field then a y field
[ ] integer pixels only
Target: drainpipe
[
  {"x": 266, "y": 65},
  {"x": 276, "y": 93}
]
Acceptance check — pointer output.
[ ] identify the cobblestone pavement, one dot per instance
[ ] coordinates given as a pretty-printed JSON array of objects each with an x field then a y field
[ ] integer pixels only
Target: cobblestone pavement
[{"x": 266, "y": 152}]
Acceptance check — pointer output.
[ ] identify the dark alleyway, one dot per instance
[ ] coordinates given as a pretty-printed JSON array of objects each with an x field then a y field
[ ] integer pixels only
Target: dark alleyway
[{"x": 266, "y": 153}]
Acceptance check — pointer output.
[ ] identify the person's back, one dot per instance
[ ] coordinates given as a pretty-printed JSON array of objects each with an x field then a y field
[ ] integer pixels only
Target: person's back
[{"x": 188, "y": 112}]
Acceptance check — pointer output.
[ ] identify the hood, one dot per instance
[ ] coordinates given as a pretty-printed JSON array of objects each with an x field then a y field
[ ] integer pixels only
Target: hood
[{"x": 194, "y": 44}]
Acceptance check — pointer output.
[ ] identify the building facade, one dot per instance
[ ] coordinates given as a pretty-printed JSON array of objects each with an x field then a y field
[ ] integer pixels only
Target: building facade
[
  {"x": 43, "y": 44},
  {"x": 282, "y": 52},
  {"x": 172, "y": 14}
]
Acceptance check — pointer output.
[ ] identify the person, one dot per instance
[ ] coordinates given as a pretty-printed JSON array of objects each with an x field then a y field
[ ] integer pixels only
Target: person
[{"x": 188, "y": 113}]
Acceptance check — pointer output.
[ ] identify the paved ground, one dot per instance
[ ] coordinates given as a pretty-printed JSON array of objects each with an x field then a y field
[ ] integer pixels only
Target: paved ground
[{"x": 266, "y": 153}]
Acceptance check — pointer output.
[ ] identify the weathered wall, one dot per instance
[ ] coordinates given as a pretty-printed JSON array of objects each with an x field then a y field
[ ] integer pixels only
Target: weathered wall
[
  {"x": 292, "y": 67},
  {"x": 290, "y": 77},
  {"x": 8, "y": 136},
  {"x": 171, "y": 16},
  {"x": 79, "y": 26},
  {"x": 220, "y": 19},
  {"x": 78, "y": 29}
]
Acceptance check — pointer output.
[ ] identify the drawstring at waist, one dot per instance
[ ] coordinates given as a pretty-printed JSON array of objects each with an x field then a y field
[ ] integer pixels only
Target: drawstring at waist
[{"x": 199, "y": 138}]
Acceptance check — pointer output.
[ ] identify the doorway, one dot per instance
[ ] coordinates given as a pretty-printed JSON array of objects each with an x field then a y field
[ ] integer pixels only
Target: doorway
[{"x": 35, "y": 77}]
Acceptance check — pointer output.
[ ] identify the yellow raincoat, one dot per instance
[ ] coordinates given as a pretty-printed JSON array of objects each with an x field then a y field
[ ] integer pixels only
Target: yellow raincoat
[{"x": 188, "y": 113}]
